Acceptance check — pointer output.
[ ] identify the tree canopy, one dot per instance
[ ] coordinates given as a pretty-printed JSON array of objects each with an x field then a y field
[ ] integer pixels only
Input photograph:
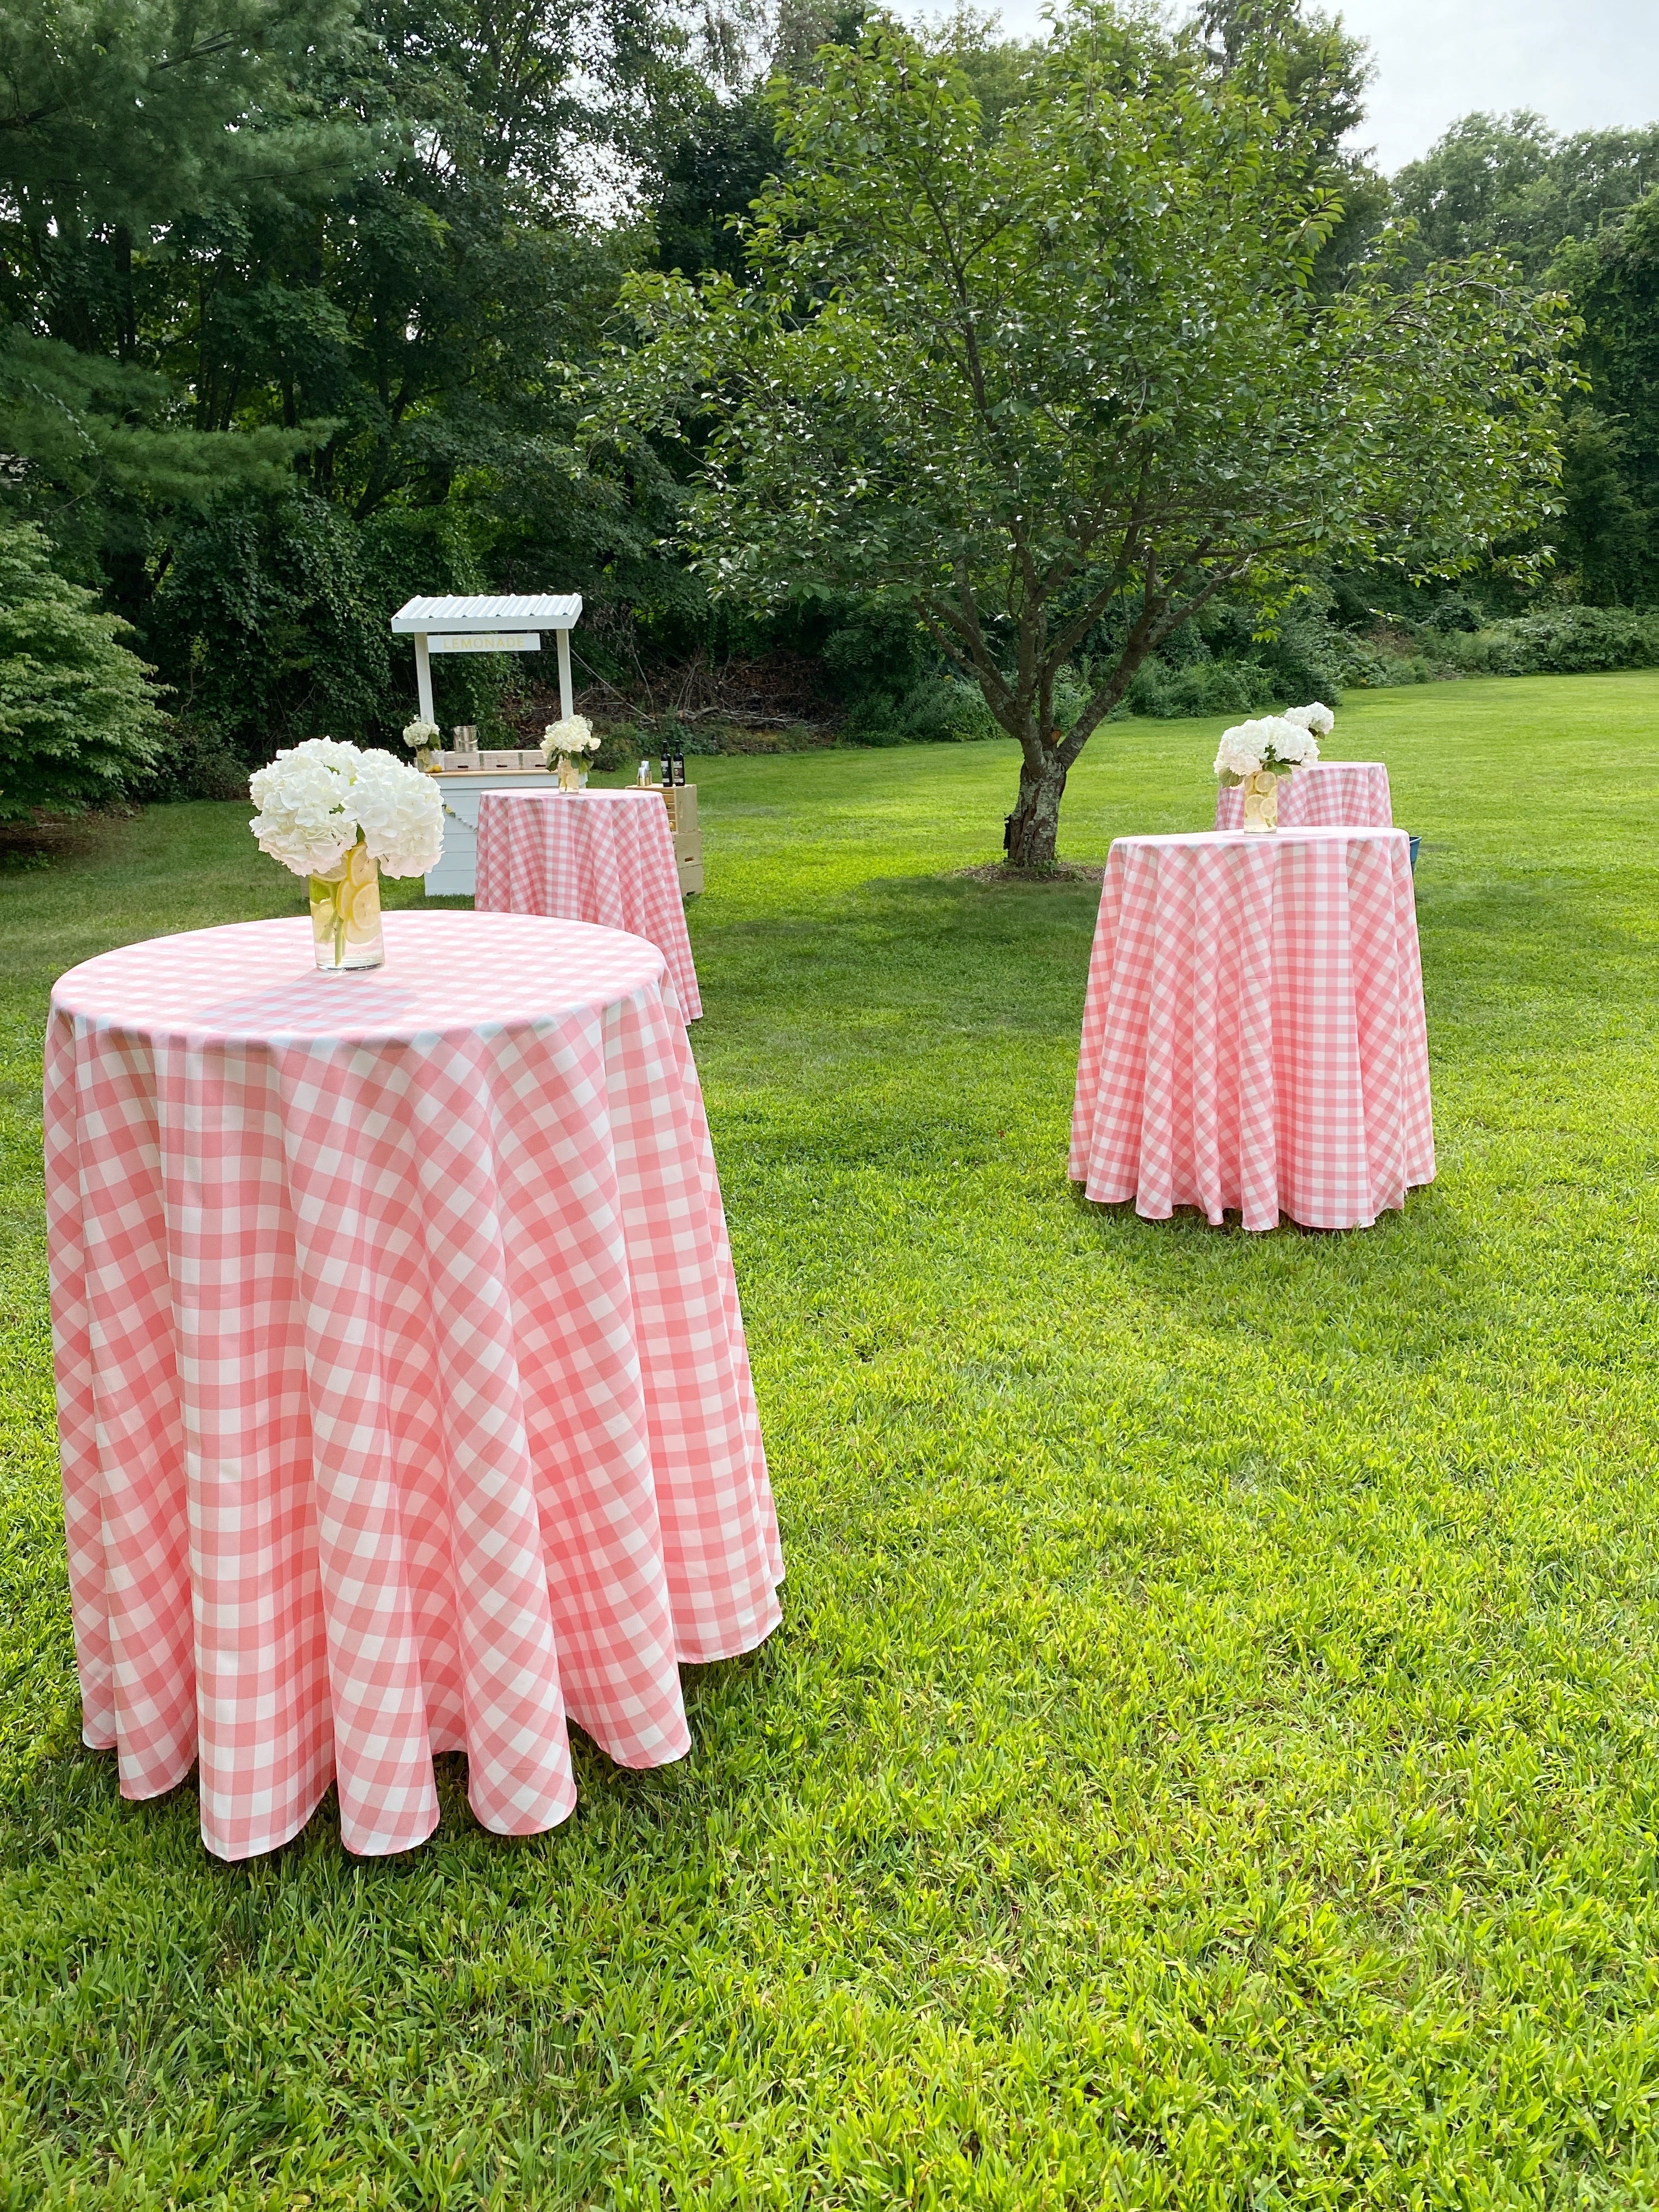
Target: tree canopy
[
  {"x": 287, "y": 346},
  {"x": 1511, "y": 185},
  {"x": 1057, "y": 385},
  {"x": 1611, "y": 527}
]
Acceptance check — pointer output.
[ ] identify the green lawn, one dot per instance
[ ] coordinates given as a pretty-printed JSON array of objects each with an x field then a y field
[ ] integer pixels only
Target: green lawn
[{"x": 1211, "y": 1757}]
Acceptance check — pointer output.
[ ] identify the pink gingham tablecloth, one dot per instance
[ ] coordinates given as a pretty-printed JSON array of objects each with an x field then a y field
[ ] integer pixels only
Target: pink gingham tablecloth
[
  {"x": 1331, "y": 795},
  {"x": 599, "y": 856},
  {"x": 402, "y": 1392},
  {"x": 1253, "y": 1033}
]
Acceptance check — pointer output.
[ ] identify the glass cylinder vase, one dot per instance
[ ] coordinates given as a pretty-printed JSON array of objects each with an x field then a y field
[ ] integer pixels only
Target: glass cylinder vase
[
  {"x": 1262, "y": 801},
  {"x": 345, "y": 914}
]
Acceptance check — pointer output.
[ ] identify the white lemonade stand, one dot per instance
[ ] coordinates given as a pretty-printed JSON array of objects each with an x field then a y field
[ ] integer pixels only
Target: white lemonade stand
[{"x": 483, "y": 622}]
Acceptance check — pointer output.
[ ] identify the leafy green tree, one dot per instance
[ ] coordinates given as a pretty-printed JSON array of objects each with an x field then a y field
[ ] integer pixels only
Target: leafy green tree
[
  {"x": 1511, "y": 185},
  {"x": 710, "y": 183},
  {"x": 1611, "y": 525},
  {"x": 1000, "y": 71},
  {"x": 78, "y": 720},
  {"x": 1319, "y": 70},
  {"x": 1076, "y": 369}
]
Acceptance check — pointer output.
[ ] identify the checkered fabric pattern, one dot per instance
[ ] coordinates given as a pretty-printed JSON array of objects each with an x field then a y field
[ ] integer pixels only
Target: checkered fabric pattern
[
  {"x": 1334, "y": 795},
  {"x": 403, "y": 1391},
  {"x": 1252, "y": 1035},
  {"x": 600, "y": 856}
]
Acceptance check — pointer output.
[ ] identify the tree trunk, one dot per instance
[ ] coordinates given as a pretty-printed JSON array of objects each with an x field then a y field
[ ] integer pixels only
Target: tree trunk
[{"x": 1035, "y": 823}]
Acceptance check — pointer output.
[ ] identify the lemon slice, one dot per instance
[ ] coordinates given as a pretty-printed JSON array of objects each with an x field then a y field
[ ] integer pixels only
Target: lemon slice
[
  {"x": 362, "y": 917},
  {"x": 361, "y": 866}
]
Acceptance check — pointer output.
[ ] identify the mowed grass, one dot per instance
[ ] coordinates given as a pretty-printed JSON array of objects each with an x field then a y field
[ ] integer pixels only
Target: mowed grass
[{"x": 1211, "y": 1757}]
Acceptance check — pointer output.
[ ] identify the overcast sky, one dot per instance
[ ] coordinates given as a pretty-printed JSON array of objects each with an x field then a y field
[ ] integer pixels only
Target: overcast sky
[{"x": 1581, "y": 65}]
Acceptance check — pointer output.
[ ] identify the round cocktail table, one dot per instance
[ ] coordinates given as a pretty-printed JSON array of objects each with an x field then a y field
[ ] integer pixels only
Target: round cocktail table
[
  {"x": 598, "y": 856},
  {"x": 402, "y": 1390},
  {"x": 1253, "y": 1031}
]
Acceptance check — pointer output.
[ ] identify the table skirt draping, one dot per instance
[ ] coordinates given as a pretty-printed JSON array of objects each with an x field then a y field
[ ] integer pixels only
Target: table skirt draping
[
  {"x": 1253, "y": 1033},
  {"x": 599, "y": 856},
  {"x": 1332, "y": 795},
  {"x": 403, "y": 1391}
]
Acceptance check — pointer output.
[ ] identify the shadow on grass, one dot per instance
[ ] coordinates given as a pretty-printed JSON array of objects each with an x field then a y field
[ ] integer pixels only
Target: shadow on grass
[
  {"x": 1414, "y": 1280},
  {"x": 1574, "y": 944}
]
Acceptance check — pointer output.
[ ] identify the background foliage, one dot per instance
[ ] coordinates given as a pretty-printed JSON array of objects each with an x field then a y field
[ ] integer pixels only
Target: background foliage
[
  {"x": 77, "y": 720},
  {"x": 292, "y": 293}
]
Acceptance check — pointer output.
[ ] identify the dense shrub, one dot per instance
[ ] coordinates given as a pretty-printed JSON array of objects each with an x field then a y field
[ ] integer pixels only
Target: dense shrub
[
  {"x": 1299, "y": 660},
  {"x": 1222, "y": 665},
  {"x": 1203, "y": 687},
  {"x": 266, "y": 616},
  {"x": 1493, "y": 651},
  {"x": 1563, "y": 641},
  {"x": 276, "y": 614},
  {"x": 1452, "y": 613},
  {"x": 78, "y": 722},
  {"x": 191, "y": 761},
  {"x": 1365, "y": 664},
  {"x": 876, "y": 654},
  {"x": 934, "y": 710}
]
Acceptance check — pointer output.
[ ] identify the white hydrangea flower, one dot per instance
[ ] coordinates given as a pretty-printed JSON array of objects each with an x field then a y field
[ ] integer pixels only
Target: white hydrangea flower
[
  {"x": 315, "y": 798},
  {"x": 1239, "y": 753},
  {"x": 1293, "y": 746},
  {"x": 1271, "y": 741},
  {"x": 400, "y": 814},
  {"x": 573, "y": 735},
  {"x": 419, "y": 735},
  {"x": 1317, "y": 718},
  {"x": 305, "y": 819}
]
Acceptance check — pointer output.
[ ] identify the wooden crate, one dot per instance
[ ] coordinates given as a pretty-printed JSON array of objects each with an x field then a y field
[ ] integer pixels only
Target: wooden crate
[
  {"x": 493, "y": 764},
  {"x": 681, "y": 800}
]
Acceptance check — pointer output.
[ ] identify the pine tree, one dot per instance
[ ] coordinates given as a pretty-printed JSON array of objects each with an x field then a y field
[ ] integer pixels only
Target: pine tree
[{"x": 123, "y": 123}]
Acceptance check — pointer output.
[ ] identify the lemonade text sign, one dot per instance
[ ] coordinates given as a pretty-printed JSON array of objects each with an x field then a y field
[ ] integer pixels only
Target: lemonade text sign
[
  {"x": 488, "y": 622},
  {"x": 489, "y": 640}
]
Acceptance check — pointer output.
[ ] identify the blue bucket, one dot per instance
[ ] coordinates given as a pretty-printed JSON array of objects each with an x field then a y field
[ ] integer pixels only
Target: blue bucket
[{"x": 1415, "y": 843}]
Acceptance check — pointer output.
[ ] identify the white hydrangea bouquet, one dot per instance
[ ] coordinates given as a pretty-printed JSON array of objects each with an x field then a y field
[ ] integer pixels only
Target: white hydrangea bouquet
[
  {"x": 422, "y": 738},
  {"x": 573, "y": 735},
  {"x": 337, "y": 816},
  {"x": 1257, "y": 754}
]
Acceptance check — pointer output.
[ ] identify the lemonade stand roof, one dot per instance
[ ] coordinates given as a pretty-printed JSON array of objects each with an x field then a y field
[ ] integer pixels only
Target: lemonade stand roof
[
  {"x": 457, "y": 614},
  {"x": 495, "y": 622}
]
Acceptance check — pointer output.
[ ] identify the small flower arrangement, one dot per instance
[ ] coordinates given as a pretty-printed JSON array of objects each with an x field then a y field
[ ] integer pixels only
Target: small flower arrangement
[
  {"x": 1276, "y": 743},
  {"x": 319, "y": 799},
  {"x": 420, "y": 736},
  {"x": 1317, "y": 718},
  {"x": 573, "y": 735}
]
